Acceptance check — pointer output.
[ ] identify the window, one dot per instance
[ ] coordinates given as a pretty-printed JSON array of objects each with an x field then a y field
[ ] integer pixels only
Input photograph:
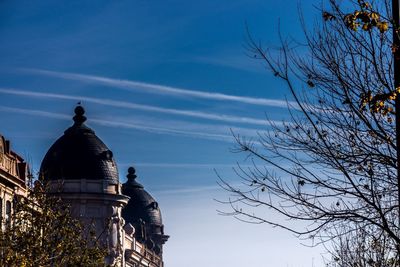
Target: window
[
  {"x": 154, "y": 205},
  {"x": 8, "y": 213}
]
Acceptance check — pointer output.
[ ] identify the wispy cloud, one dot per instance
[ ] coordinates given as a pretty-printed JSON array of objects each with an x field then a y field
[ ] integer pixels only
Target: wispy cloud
[
  {"x": 188, "y": 190},
  {"x": 194, "y": 189},
  {"x": 185, "y": 125},
  {"x": 161, "y": 130},
  {"x": 205, "y": 131},
  {"x": 34, "y": 112},
  {"x": 130, "y": 105},
  {"x": 162, "y": 89},
  {"x": 121, "y": 124},
  {"x": 209, "y": 166},
  {"x": 180, "y": 165}
]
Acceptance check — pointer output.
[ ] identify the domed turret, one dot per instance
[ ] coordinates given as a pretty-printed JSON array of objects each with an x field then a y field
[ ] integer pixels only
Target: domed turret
[
  {"x": 79, "y": 154},
  {"x": 81, "y": 170},
  {"x": 143, "y": 213}
]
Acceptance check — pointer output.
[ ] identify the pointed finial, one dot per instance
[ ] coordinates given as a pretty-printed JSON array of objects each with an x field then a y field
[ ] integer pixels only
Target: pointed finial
[
  {"x": 131, "y": 174},
  {"x": 132, "y": 179},
  {"x": 79, "y": 118}
]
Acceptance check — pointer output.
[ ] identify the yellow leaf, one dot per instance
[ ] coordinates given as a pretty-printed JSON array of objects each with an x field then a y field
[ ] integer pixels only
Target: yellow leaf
[
  {"x": 374, "y": 15},
  {"x": 382, "y": 26}
]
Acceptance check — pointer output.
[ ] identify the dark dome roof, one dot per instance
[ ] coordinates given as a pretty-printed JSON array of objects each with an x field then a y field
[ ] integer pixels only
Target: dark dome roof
[
  {"x": 79, "y": 154},
  {"x": 141, "y": 205}
]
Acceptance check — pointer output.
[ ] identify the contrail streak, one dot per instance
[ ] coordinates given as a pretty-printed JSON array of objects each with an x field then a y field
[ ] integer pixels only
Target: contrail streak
[
  {"x": 162, "y": 89},
  {"x": 120, "y": 124},
  {"x": 129, "y": 105}
]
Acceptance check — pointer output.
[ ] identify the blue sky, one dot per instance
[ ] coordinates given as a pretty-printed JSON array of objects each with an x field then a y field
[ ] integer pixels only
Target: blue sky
[{"x": 163, "y": 84}]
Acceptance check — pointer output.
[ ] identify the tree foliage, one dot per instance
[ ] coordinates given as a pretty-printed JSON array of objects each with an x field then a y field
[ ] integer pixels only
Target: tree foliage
[
  {"x": 333, "y": 165},
  {"x": 42, "y": 233}
]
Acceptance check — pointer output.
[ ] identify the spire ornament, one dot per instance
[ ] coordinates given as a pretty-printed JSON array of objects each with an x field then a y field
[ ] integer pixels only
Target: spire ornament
[
  {"x": 132, "y": 178},
  {"x": 79, "y": 117},
  {"x": 131, "y": 174}
]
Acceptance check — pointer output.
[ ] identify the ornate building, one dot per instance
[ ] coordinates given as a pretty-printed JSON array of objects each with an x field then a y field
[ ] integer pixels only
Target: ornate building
[
  {"x": 13, "y": 179},
  {"x": 82, "y": 171}
]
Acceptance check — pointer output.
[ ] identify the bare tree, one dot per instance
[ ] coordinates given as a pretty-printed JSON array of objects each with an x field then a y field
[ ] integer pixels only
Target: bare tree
[
  {"x": 363, "y": 248},
  {"x": 333, "y": 165}
]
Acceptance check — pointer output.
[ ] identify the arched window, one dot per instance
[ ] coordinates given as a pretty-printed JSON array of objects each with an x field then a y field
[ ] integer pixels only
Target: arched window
[{"x": 8, "y": 213}]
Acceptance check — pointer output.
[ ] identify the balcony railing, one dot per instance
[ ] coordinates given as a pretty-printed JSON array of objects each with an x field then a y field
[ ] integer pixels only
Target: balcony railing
[
  {"x": 151, "y": 256},
  {"x": 9, "y": 164},
  {"x": 148, "y": 254}
]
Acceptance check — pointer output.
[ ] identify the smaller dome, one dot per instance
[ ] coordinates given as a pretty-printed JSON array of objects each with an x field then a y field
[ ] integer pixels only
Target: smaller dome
[
  {"x": 141, "y": 206},
  {"x": 79, "y": 154},
  {"x": 143, "y": 212}
]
